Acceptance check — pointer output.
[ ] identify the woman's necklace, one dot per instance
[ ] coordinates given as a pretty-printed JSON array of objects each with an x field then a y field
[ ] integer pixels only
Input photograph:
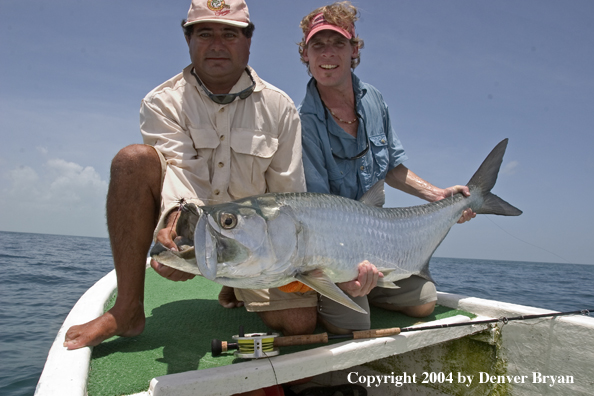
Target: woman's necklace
[{"x": 340, "y": 119}]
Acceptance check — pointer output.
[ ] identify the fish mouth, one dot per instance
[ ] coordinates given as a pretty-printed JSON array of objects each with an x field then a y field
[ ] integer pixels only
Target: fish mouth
[{"x": 206, "y": 260}]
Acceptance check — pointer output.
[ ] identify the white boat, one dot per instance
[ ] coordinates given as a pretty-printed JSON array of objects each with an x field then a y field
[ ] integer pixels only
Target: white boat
[{"x": 545, "y": 356}]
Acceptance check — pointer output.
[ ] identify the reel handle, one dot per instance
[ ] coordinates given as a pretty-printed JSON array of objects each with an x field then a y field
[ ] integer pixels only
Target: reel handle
[{"x": 217, "y": 346}]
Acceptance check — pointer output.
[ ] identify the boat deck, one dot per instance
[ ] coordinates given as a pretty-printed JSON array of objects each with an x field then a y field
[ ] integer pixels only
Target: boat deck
[
  {"x": 183, "y": 318},
  {"x": 173, "y": 354}
]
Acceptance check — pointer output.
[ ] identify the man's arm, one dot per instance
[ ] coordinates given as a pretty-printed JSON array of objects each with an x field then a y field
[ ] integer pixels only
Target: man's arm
[
  {"x": 163, "y": 131},
  {"x": 285, "y": 172},
  {"x": 172, "y": 141}
]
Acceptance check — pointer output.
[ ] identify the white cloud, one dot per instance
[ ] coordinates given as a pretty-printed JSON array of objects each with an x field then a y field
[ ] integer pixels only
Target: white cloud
[
  {"x": 70, "y": 183},
  {"x": 510, "y": 167},
  {"x": 60, "y": 198}
]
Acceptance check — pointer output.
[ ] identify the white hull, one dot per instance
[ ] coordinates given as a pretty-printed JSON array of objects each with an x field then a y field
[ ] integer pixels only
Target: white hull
[{"x": 559, "y": 347}]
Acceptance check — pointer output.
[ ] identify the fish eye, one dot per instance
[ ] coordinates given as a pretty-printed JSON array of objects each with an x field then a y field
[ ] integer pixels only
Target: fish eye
[{"x": 228, "y": 221}]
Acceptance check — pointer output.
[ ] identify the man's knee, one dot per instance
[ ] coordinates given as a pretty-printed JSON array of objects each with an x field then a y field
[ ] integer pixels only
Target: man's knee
[
  {"x": 420, "y": 311},
  {"x": 136, "y": 157}
]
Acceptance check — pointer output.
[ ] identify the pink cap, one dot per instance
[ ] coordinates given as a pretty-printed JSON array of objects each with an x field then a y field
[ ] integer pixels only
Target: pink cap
[
  {"x": 230, "y": 12},
  {"x": 319, "y": 23}
]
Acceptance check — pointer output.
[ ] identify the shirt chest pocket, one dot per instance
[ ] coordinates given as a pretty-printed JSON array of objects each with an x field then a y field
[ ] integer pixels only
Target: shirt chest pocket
[
  {"x": 253, "y": 143},
  {"x": 205, "y": 141},
  {"x": 252, "y": 152},
  {"x": 379, "y": 147}
]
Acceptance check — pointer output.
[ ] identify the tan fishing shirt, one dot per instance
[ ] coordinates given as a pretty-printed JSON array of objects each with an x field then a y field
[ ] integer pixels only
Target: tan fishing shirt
[{"x": 217, "y": 153}]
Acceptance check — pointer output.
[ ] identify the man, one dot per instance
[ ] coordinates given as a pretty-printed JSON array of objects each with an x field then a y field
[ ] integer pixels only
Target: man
[
  {"x": 215, "y": 132},
  {"x": 348, "y": 146}
]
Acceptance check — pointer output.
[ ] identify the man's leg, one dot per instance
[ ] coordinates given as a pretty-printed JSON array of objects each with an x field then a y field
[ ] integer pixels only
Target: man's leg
[
  {"x": 133, "y": 202},
  {"x": 415, "y": 297},
  {"x": 415, "y": 311},
  {"x": 288, "y": 313},
  {"x": 227, "y": 298}
]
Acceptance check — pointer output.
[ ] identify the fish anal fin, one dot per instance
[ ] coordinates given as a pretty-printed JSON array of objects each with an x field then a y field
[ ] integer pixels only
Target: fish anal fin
[
  {"x": 386, "y": 284},
  {"x": 320, "y": 282}
]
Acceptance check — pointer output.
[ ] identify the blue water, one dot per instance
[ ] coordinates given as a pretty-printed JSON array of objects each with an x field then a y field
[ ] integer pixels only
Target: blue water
[{"x": 42, "y": 277}]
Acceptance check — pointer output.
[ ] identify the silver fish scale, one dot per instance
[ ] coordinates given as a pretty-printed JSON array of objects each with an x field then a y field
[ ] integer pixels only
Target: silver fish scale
[{"x": 339, "y": 233}]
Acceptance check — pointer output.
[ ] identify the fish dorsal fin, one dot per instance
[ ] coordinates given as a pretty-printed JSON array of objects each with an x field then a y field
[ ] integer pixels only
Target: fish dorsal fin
[
  {"x": 375, "y": 196},
  {"x": 320, "y": 282}
]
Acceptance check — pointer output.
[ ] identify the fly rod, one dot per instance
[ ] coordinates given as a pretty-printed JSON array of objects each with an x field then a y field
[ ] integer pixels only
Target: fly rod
[{"x": 257, "y": 345}]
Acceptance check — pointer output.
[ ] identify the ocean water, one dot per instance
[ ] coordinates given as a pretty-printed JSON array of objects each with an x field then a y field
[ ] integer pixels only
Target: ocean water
[{"x": 42, "y": 277}]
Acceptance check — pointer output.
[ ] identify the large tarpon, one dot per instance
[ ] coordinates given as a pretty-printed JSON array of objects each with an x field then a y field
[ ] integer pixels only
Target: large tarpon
[{"x": 319, "y": 239}]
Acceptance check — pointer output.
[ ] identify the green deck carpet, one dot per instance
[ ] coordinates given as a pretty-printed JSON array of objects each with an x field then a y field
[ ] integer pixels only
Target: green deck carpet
[{"x": 181, "y": 320}]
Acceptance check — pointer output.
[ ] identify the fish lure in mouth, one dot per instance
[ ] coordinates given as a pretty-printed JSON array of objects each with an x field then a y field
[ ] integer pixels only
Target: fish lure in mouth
[{"x": 273, "y": 239}]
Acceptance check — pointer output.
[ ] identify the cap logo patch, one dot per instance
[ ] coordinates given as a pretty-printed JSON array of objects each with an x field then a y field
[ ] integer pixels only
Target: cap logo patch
[{"x": 219, "y": 7}]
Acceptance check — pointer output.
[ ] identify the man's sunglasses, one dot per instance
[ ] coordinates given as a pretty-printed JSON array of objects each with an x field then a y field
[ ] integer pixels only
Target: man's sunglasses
[{"x": 227, "y": 98}]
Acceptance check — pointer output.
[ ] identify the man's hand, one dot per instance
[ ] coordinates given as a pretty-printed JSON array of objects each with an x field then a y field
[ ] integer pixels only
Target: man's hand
[
  {"x": 166, "y": 237},
  {"x": 450, "y": 191},
  {"x": 406, "y": 180},
  {"x": 367, "y": 280}
]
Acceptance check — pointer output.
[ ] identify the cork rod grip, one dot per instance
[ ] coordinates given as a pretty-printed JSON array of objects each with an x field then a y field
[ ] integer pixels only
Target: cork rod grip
[
  {"x": 375, "y": 333},
  {"x": 301, "y": 340}
]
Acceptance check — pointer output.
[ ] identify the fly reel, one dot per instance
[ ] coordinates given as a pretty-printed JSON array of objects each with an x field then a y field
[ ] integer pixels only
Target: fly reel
[
  {"x": 256, "y": 345},
  {"x": 249, "y": 346}
]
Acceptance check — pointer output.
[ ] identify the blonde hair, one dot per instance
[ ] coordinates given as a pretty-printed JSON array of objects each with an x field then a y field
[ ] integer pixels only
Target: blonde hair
[{"x": 342, "y": 14}]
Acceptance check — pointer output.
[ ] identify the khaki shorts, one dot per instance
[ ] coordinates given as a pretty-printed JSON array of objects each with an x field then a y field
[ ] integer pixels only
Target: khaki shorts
[
  {"x": 413, "y": 291},
  {"x": 261, "y": 300}
]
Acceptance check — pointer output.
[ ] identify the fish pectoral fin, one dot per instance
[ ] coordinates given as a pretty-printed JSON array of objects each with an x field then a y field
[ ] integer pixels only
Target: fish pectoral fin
[{"x": 320, "y": 282}]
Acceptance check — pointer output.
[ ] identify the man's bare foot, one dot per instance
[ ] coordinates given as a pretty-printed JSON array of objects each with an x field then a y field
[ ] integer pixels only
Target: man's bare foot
[
  {"x": 227, "y": 298},
  {"x": 111, "y": 323}
]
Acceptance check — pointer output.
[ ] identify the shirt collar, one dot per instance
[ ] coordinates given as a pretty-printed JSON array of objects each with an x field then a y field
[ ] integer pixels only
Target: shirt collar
[{"x": 241, "y": 84}]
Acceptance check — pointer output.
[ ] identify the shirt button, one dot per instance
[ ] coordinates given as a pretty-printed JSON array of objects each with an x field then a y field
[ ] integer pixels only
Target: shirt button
[
  {"x": 216, "y": 192},
  {"x": 222, "y": 110},
  {"x": 384, "y": 141},
  {"x": 221, "y": 164},
  {"x": 362, "y": 167},
  {"x": 222, "y": 137}
]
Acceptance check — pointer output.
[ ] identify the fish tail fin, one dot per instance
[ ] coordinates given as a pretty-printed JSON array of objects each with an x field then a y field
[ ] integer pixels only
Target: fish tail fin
[{"x": 484, "y": 179}]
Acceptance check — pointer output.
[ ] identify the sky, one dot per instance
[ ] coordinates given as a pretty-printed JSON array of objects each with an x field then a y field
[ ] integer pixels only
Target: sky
[{"x": 458, "y": 76}]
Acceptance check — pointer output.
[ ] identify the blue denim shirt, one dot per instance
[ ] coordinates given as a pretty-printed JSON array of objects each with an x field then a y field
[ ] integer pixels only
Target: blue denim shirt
[{"x": 322, "y": 135}]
